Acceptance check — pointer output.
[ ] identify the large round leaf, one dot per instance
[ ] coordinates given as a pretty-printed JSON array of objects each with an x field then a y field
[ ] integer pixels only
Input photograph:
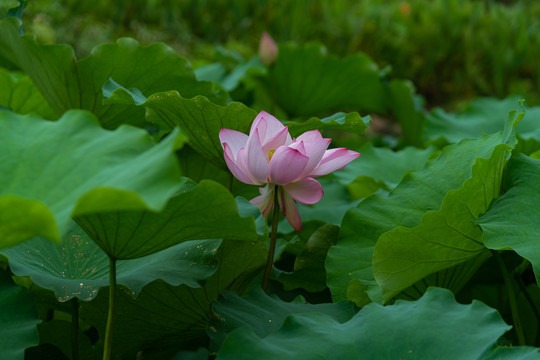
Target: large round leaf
[
  {"x": 514, "y": 219},
  {"x": 382, "y": 166},
  {"x": 70, "y": 84},
  {"x": 78, "y": 267},
  {"x": 50, "y": 171},
  {"x": 351, "y": 122},
  {"x": 264, "y": 314},
  {"x": 443, "y": 238},
  {"x": 307, "y": 81},
  {"x": 52, "y": 68},
  {"x": 349, "y": 263},
  {"x": 18, "y": 317},
  {"x": 150, "y": 69},
  {"x": 204, "y": 211},
  {"x": 201, "y": 120},
  {"x": 19, "y": 94},
  {"x": 481, "y": 116},
  {"x": 434, "y": 327}
]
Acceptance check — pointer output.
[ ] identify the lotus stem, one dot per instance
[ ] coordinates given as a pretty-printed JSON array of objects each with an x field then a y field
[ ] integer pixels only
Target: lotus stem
[
  {"x": 512, "y": 298},
  {"x": 112, "y": 306},
  {"x": 272, "y": 248},
  {"x": 75, "y": 328}
]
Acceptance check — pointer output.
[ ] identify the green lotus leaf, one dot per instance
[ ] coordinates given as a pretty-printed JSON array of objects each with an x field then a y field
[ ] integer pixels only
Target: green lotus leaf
[
  {"x": 384, "y": 165},
  {"x": 420, "y": 193},
  {"x": 511, "y": 353},
  {"x": 428, "y": 328},
  {"x": 70, "y": 84},
  {"x": 149, "y": 69},
  {"x": 52, "y": 68},
  {"x": 264, "y": 314},
  {"x": 443, "y": 238},
  {"x": 78, "y": 267},
  {"x": 408, "y": 110},
  {"x": 163, "y": 315},
  {"x": 204, "y": 211},
  {"x": 217, "y": 72},
  {"x": 513, "y": 220},
  {"x": 18, "y": 318},
  {"x": 19, "y": 94},
  {"x": 50, "y": 171},
  {"x": 306, "y": 81},
  {"x": 201, "y": 120},
  {"x": 481, "y": 116},
  {"x": 351, "y": 122},
  {"x": 332, "y": 207}
]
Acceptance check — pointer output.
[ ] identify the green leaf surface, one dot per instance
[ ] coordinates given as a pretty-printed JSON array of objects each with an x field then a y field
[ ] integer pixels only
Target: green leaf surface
[
  {"x": 264, "y": 314},
  {"x": 52, "y": 68},
  {"x": 511, "y": 353},
  {"x": 513, "y": 221},
  {"x": 78, "y": 267},
  {"x": 408, "y": 111},
  {"x": 19, "y": 94},
  {"x": 418, "y": 193},
  {"x": 384, "y": 165},
  {"x": 444, "y": 238},
  {"x": 164, "y": 315},
  {"x": 50, "y": 171},
  {"x": 204, "y": 211},
  {"x": 351, "y": 122},
  {"x": 201, "y": 120},
  {"x": 429, "y": 328},
  {"x": 149, "y": 69},
  {"x": 332, "y": 207},
  {"x": 216, "y": 72},
  {"x": 18, "y": 318},
  {"x": 70, "y": 84},
  {"x": 305, "y": 81},
  {"x": 481, "y": 116}
]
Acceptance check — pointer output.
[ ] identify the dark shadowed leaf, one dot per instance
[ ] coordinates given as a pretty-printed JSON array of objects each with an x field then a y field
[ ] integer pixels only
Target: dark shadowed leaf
[
  {"x": 18, "y": 317},
  {"x": 309, "y": 272},
  {"x": 264, "y": 314},
  {"x": 163, "y": 315},
  {"x": 434, "y": 327}
]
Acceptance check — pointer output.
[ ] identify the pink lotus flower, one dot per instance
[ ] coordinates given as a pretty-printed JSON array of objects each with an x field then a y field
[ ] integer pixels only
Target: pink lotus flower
[
  {"x": 268, "y": 50},
  {"x": 287, "y": 166}
]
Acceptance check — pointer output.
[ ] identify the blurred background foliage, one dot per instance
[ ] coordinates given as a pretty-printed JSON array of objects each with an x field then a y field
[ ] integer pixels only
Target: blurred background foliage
[{"x": 453, "y": 50}]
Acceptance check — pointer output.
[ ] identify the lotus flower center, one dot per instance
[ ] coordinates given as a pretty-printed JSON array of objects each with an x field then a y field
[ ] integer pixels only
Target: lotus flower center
[{"x": 270, "y": 154}]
